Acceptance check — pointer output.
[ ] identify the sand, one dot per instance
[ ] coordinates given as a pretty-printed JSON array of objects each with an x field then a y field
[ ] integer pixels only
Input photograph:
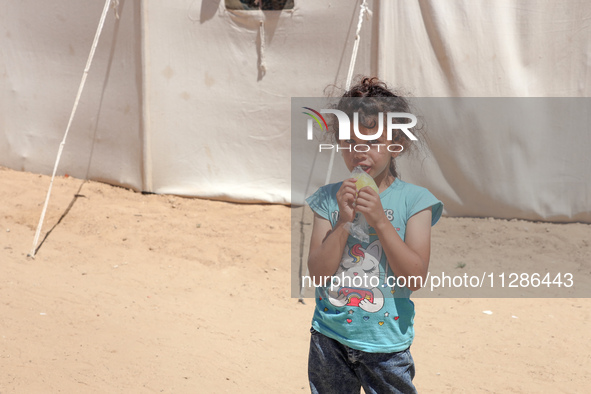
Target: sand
[{"x": 133, "y": 293}]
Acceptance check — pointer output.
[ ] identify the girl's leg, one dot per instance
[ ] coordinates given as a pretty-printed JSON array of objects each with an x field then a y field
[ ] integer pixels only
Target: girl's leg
[
  {"x": 386, "y": 372},
  {"x": 329, "y": 369}
]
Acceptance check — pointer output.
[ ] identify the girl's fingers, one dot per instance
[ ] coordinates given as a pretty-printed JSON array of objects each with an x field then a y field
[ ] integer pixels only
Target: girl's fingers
[
  {"x": 365, "y": 204},
  {"x": 348, "y": 186},
  {"x": 349, "y": 198},
  {"x": 368, "y": 196},
  {"x": 369, "y": 191},
  {"x": 348, "y": 189}
]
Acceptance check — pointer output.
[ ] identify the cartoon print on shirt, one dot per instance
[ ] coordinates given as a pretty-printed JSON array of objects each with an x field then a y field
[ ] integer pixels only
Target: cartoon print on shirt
[
  {"x": 392, "y": 279},
  {"x": 363, "y": 263}
]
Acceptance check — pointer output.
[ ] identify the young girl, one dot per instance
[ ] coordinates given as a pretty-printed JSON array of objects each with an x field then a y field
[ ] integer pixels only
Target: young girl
[{"x": 362, "y": 329}]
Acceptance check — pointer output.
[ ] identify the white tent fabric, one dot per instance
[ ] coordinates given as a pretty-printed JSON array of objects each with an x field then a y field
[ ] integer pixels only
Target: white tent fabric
[
  {"x": 505, "y": 48},
  {"x": 177, "y": 101},
  {"x": 43, "y": 50},
  {"x": 219, "y": 126},
  {"x": 498, "y": 49}
]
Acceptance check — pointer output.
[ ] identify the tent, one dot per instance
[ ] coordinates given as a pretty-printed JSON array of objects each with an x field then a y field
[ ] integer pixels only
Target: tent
[{"x": 192, "y": 97}]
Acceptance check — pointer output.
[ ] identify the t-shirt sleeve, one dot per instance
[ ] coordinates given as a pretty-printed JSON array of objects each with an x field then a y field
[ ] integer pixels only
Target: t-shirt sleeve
[
  {"x": 319, "y": 201},
  {"x": 422, "y": 199}
]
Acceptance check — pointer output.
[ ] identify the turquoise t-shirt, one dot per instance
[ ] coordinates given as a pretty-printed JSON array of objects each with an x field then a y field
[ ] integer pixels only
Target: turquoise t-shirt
[{"x": 363, "y": 307}]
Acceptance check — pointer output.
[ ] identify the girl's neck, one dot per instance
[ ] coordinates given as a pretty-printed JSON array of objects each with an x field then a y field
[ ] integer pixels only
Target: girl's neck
[{"x": 383, "y": 181}]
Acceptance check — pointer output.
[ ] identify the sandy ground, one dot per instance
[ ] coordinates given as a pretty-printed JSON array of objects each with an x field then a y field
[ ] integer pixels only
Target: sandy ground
[{"x": 134, "y": 293}]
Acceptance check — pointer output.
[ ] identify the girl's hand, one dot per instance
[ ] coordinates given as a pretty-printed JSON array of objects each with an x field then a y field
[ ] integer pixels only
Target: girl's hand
[
  {"x": 346, "y": 198},
  {"x": 369, "y": 204}
]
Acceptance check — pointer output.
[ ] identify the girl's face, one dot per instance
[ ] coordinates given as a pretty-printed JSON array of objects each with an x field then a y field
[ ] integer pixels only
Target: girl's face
[{"x": 373, "y": 156}]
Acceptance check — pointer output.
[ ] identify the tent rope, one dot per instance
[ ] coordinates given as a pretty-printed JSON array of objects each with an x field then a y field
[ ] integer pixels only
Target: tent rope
[
  {"x": 63, "y": 143},
  {"x": 115, "y": 5},
  {"x": 364, "y": 11},
  {"x": 263, "y": 64}
]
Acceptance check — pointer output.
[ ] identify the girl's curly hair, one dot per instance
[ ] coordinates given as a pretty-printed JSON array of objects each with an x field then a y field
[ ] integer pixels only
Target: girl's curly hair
[{"x": 369, "y": 97}]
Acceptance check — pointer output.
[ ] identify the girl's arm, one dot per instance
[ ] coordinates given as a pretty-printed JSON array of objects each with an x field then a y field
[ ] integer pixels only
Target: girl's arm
[
  {"x": 409, "y": 258},
  {"x": 327, "y": 244},
  {"x": 326, "y": 248}
]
